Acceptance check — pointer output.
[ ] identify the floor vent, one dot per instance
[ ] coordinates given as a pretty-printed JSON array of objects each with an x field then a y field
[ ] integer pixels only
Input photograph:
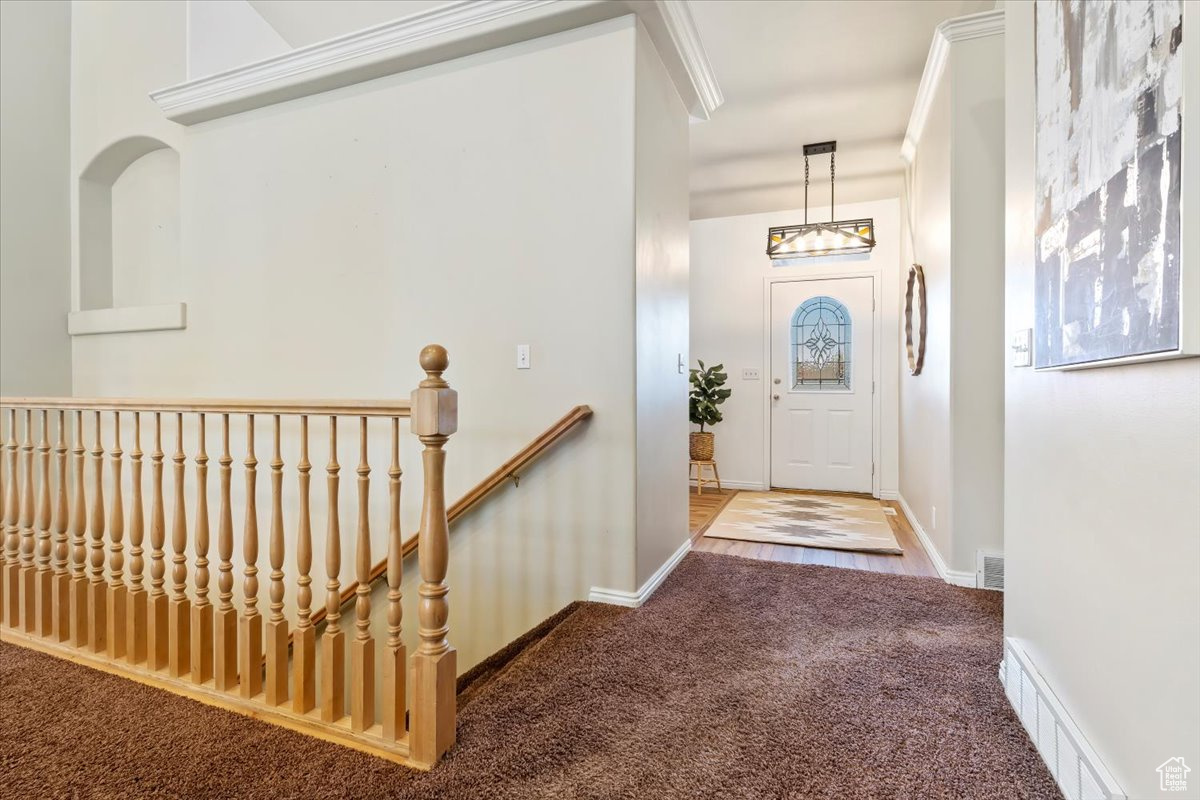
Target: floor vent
[{"x": 989, "y": 570}]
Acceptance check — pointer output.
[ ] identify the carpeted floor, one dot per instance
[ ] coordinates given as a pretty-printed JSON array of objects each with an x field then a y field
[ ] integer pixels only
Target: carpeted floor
[{"x": 739, "y": 679}]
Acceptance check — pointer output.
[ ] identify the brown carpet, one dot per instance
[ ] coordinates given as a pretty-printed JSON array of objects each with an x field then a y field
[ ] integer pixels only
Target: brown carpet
[{"x": 739, "y": 679}]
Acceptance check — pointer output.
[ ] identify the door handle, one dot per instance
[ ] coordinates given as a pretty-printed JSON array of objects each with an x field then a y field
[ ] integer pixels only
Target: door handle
[
  {"x": 777, "y": 381},
  {"x": 774, "y": 397}
]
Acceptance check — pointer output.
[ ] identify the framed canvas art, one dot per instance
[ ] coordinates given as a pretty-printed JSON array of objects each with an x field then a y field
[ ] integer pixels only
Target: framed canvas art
[{"x": 1109, "y": 174}]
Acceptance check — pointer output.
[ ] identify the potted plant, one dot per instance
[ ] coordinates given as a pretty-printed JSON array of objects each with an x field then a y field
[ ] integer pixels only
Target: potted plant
[{"x": 705, "y": 396}]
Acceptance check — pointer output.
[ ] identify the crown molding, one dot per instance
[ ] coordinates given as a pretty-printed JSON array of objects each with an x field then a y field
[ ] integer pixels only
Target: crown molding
[
  {"x": 958, "y": 29},
  {"x": 442, "y": 33}
]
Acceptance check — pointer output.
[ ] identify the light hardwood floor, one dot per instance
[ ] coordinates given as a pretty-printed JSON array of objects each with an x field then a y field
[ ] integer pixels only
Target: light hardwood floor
[{"x": 703, "y": 509}]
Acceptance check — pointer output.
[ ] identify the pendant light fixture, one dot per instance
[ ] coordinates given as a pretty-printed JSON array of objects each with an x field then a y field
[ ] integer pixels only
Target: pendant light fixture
[{"x": 832, "y": 238}]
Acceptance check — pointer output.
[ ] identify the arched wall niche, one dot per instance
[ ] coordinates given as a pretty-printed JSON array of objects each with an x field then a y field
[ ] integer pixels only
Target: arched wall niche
[{"x": 129, "y": 239}]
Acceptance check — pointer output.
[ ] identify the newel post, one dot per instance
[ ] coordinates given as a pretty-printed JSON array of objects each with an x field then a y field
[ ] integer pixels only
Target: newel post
[{"x": 434, "y": 419}]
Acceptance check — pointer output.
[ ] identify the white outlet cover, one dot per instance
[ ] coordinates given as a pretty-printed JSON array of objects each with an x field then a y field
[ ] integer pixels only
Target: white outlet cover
[
  {"x": 1022, "y": 348},
  {"x": 522, "y": 356},
  {"x": 749, "y": 374}
]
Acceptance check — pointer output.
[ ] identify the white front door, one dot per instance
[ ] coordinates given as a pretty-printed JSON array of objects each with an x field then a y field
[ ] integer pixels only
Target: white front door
[{"x": 822, "y": 371}]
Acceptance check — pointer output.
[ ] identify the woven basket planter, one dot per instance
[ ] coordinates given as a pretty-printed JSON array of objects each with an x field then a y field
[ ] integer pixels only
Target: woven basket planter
[{"x": 701, "y": 446}]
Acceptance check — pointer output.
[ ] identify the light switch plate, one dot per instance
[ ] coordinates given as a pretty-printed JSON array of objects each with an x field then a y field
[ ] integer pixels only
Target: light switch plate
[
  {"x": 522, "y": 356},
  {"x": 1022, "y": 348},
  {"x": 749, "y": 374},
  {"x": 682, "y": 365}
]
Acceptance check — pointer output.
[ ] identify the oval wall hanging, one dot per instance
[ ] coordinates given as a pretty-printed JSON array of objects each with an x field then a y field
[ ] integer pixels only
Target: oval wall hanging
[{"x": 916, "y": 285}]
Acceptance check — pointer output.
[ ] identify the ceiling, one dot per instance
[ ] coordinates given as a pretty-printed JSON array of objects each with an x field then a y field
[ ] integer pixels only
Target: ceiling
[
  {"x": 809, "y": 71},
  {"x": 792, "y": 71}
]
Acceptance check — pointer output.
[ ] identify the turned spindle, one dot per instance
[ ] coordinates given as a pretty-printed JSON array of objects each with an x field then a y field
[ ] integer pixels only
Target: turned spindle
[
  {"x": 395, "y": 655},
  {"x": 62, "y": 578},
  {"x": 28, "y": 568},
  {"x": 79, "y": 580},
  {"x": 333, "y": 642},
  {"x": 157, "y": 604},
  {"x": 202, "y": 610},
  {"x": 10, "y": 600},
  {"x": 225, "y": 617},
  {"x": 135, "y": 601},
  {"x": 179, "y": 613},
  {"x": 276, "y": 686},
  {"x": 362, "y": 651},
  {"x": 250, "y": 627},
  {"x": 43, "y": 578},
  {"x": 304, "y": 659},
  {"x": 97, "y": 588},
  {"x": 117, "y": 592}
]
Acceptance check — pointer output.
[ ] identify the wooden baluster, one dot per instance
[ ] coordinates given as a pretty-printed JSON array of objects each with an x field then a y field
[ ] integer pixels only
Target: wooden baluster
[
  {"x": 304, "y": 659},
  {"x": 202, "y": 609},
  {"x": 362, "y": 652},
  {"x": 277, "y": 627},
  {"x": 12, "y": 541},
  {"x": 225, "y": 620},
  {"x": 434, "y": 419},
  {"x": 395, "y": 655},
  {"x": 79, "y": 581},
  {"x": 97, "y": 588},
  {"x": 43, "y": 586},
  {"x": 115, "y": 616},
  {"x": 28, "y": 569},
  {"x": 333, "y": 642},
  {"x": 250, "y": 629},
  {"x": 157, "y": 604},
  {"x": 179, "y": 628},
  {"x": 62, "y": 579},
  {"x": 135, "y": 602}
]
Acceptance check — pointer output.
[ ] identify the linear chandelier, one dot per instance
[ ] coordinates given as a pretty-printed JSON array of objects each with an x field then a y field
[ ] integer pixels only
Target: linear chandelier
[{"x": 843, "y": 237}]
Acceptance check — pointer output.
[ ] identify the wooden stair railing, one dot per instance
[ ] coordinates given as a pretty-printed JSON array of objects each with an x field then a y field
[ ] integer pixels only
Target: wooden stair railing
[
  {"x": 180, "y": 640},
  {"x": 506, "y": 471}
]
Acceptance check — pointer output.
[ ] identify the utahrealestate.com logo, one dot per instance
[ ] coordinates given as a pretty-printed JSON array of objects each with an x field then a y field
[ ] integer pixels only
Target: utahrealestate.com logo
[{"x": 1172, "y": 775}]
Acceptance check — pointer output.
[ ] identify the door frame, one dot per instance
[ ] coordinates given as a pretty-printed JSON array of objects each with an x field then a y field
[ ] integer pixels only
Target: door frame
[{"x": 876, "y": 278}]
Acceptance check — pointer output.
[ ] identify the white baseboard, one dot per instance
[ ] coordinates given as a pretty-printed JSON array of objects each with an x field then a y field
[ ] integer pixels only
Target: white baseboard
[
  {"x": 749, "y": 486},
  {"x": 951, "y": 576},
  {"x": 616, "y": 597},
  {"x": 888, "y": 494},
  {"x": 1074, "y": 764}
]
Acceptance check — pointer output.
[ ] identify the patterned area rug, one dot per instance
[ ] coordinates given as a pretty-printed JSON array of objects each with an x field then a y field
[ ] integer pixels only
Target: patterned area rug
[{"x": 809, "y": 520}]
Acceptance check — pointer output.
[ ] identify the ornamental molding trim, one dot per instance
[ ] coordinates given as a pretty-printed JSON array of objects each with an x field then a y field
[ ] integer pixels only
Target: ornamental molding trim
[
  {"x": 442, "y": 33},
  {"x": 959, "y": 29}
]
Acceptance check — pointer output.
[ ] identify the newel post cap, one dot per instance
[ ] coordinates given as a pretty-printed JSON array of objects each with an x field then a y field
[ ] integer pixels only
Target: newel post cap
[{"x": 434, "y": 403}]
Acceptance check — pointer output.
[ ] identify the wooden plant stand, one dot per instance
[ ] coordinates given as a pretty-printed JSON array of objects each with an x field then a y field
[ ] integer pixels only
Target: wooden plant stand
[{"x": 700, "y": 479}]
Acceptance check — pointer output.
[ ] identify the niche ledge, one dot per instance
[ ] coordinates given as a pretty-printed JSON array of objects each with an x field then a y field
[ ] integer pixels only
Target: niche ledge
[{"x": 130, "y": 319}]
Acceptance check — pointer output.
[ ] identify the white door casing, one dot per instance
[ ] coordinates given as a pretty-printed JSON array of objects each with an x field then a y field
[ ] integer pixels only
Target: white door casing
[{"x": 822, "y": 351}]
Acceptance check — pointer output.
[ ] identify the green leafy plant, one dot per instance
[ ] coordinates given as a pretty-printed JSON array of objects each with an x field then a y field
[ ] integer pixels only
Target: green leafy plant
[{"x": 707, "y": 394}]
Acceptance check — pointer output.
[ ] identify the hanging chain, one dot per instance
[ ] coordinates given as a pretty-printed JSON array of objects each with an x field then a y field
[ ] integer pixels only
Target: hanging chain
[
  {"x": 806, "y": 189},
  {"x": 832, "y": 216}
]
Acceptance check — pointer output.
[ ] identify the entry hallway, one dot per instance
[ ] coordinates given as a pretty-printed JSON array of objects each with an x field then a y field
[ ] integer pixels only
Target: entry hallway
[{"x": 740, "y": 678}]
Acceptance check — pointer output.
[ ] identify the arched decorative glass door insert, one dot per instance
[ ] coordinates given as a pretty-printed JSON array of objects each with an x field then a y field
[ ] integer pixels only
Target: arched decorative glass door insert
[{"x": 821, "y": 346}]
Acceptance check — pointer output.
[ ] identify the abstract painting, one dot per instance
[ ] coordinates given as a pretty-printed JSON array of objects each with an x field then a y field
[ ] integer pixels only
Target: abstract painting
[{"x": 1109, "y": 94}]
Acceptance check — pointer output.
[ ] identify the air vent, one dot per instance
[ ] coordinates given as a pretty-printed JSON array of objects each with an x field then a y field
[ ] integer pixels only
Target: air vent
[{"x": 989, "y": 570}]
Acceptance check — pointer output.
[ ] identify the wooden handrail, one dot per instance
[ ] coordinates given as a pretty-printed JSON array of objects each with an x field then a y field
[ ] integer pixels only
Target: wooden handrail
[
  {"x": 504, "y": 472},
  {"x": 348, "y": 408}
]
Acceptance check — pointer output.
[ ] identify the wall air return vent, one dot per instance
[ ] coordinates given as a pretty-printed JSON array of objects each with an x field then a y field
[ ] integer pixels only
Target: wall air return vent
[{"x": 989, "y": 570}]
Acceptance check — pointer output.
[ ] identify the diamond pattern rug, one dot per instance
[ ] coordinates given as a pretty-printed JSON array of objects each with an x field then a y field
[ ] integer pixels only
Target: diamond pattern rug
[{"x": 810, "y": 520}]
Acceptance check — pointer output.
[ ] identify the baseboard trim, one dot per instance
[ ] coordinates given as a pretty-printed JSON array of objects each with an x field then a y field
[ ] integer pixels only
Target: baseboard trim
[
  {"x": 1080, "y": 773},
  {"x": 951, "y": 576},
  {"x": 749, "y": 486},
  {"x": 886, "y": 494},
  {"x": 616, "y": 597}
]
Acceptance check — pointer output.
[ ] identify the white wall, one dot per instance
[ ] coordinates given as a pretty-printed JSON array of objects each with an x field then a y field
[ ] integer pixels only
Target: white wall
[
  {"x": 325, "y": 240},
  {"x": 145, "y": 231},
  {"x": 227, "y": 34},
  {"x": 661, "y": 234},
  {"x": 1101, "y": 518},
  {"x": 951, "y": 415},
  {"x": 926, "y": 471},
  {"x": 35, "y": 354},
  {"x": 729, "y": 271}
]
